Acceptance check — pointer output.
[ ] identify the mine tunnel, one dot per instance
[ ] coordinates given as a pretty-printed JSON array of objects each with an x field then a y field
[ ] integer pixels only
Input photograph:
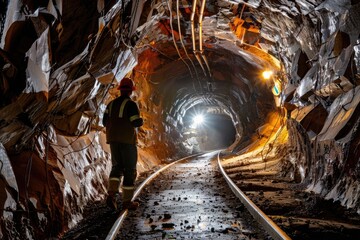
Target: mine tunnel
[{"x": 209, "y": 75}]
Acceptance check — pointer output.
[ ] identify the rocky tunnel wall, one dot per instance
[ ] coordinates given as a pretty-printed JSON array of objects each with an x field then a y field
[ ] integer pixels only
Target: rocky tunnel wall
[
  {"x": 57, "y": 76},
  {"x": 318, "y": 45}
]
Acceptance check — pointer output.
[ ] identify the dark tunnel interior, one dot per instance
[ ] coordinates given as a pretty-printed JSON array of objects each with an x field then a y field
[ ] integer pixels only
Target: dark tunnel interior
[
  {"x": 62, "y": 61},
  {"x": 203, "y": 130}
]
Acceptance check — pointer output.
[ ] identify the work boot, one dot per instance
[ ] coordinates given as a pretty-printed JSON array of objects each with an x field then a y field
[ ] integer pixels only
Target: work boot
[
  {"x": 131, "y": 205},
  {"x": 127, "y": 195},
  {"x": 114, "y": 185},
  {"x": 113, "y": 201}
]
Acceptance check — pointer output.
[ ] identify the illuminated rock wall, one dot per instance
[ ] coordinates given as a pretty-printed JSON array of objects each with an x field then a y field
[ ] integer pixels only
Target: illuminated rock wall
[
  {"x": 62, "y": 60},
  {"x": 318, "y": 44}
]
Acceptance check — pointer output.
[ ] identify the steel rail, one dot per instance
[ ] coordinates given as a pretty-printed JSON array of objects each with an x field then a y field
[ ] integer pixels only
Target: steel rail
[
  {"x": 274, "y": 230},
  {"x": 117, "y": 225}
]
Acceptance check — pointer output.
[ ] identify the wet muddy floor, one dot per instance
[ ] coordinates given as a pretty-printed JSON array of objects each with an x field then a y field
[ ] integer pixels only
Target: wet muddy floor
[{"x": 191, "y": 200}]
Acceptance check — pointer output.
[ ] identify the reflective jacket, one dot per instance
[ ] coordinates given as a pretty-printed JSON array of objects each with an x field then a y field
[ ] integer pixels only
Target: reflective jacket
[{"x": 120, "y": 119}]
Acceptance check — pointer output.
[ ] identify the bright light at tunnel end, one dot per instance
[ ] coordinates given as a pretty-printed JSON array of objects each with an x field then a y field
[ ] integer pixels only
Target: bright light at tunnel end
[{"x": 197, "y": 120}]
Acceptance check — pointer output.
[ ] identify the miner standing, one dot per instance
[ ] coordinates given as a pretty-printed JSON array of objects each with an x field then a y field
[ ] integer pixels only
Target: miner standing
[{"x": 121, "y": 119}]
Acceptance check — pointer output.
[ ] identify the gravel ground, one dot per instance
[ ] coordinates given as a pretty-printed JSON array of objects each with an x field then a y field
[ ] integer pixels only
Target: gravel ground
[
  {"x": 179, "y": 206},
  {"x": 191, "y": 201}
]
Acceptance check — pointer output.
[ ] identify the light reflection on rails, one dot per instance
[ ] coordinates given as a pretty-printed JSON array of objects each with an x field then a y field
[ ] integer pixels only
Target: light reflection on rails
[
  {"x": 274, "y": 230},
  {"x": 116, "y": 227},
  {"x": 258, "y": 215}
]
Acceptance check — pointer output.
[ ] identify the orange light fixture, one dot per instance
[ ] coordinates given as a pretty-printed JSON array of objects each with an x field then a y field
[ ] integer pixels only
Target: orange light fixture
[{"x": 267, "y": 74}]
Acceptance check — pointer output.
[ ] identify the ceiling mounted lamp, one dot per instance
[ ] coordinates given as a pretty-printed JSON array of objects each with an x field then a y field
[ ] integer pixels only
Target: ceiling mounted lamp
[
  {"x": 277, "y": 84},
  {"x": 267, "y": 74}
]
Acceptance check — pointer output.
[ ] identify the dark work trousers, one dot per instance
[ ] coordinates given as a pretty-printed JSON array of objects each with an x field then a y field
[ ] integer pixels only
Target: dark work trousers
[{"x": 124, "y": 159}]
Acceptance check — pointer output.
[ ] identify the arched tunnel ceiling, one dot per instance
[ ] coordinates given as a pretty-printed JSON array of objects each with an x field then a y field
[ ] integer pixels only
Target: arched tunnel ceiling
[
  {"x": 231, "y": 82},
  {"x": 226, "y": 74},
  {"x": 57, "y": 76}
]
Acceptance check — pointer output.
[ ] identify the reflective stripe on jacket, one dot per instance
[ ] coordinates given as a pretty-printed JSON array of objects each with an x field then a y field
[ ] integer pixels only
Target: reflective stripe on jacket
[{"x": 120, "y": 119}]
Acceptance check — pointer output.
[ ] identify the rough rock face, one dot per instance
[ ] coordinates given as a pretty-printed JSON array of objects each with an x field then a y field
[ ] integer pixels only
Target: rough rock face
[
  {"x": 61, "y": 61},
  {"x": 320, "y": 51}
]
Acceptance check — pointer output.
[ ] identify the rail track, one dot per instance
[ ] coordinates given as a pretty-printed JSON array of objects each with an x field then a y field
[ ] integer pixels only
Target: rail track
[
  {"x": 190, "y": 199},
  {"x": 302, "y": 214}
]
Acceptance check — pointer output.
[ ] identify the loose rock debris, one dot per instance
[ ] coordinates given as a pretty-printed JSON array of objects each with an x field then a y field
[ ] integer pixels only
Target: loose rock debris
[
  {"x": 303, "y": 215},
  {"x": 202, "y": 207},
  {"x": 197, "y": 206}
]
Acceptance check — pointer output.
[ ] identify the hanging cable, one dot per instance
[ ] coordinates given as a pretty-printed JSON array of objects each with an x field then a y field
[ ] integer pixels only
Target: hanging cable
[
  {"x": 182, "y": 43},
  {"x": 192, "y": 24},
  {"x": 196, "y": 53},
  {"x": 173, "y": 37},
  {"x": 200, "y": 36}
]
